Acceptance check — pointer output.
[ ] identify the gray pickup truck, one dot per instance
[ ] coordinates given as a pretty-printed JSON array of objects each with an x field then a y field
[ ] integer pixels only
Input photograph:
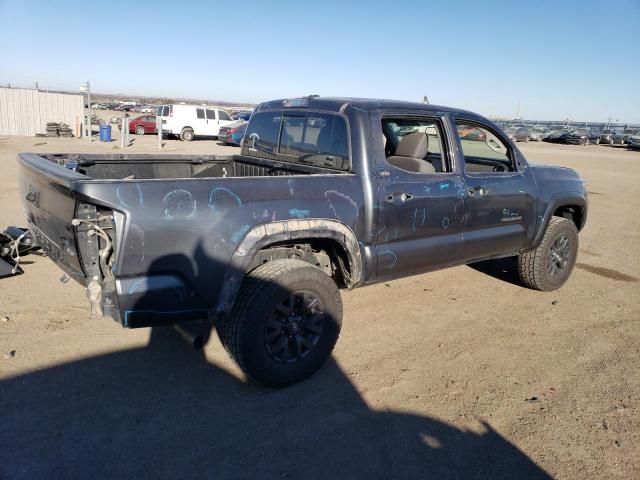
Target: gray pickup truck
[{"x": 326, "y": 193}]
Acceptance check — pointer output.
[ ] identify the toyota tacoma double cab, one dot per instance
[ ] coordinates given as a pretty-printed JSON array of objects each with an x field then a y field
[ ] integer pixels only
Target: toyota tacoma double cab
[{"x": 326, "y": 194}]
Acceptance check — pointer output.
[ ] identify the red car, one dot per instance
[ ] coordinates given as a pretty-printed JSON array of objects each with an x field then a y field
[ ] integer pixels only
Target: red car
[{"x": 141, "y": 125}]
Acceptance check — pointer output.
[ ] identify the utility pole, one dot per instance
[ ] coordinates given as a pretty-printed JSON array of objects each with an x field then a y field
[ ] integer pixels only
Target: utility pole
[{"x": 86, "y": 87}]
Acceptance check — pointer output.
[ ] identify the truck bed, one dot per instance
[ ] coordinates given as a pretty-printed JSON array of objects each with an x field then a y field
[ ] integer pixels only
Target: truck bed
[
  {"x": 152, "y": 236},
  {"x": 114, "y": 167}
]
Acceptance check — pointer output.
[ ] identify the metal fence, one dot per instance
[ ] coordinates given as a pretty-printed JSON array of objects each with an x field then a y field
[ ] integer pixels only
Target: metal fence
[{"x": 26, "y": 112}]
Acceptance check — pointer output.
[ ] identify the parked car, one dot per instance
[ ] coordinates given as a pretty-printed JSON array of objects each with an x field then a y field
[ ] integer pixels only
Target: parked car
[
  {"x": 633, "y": 142},
  {"x": 470, "y": 133},
  {"x": 537, "y": 134},
  {"x": 261, "y": 242},
  {"x": 511, "y": 133},
  {"x": 558, "y": 136},
  {"x": 244, "y": 115},
  {"x": 192, "y": 121},
  {"x": 607, "y": 136},
  {"x": 233, "y": 133},
  {"x": 145, "y": 124},
  {"x": 578, "y": 137},
  {"x": 522, "y": 134},
  {"x": 621, "y": 138}
]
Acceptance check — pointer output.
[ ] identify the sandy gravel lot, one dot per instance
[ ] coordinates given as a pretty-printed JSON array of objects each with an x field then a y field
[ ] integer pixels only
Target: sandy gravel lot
[{"x": 454, "y": 374}]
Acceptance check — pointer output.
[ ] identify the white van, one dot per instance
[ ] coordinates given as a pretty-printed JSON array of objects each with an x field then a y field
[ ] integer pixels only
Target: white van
[{"x": 191, "y": 121}]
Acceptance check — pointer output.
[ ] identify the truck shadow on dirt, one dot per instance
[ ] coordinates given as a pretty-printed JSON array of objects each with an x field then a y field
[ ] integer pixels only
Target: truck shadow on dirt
[
  {"x": 505, "y": 269},
  {"x": 165, "y": 411}
]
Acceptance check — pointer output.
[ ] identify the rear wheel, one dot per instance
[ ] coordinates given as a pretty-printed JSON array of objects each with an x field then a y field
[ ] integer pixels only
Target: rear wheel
[
  {"x": 285, "y": 323},
  {"x": 139, "y": 130},
  {"x": 187, "y": 134},
  {"x": 548, "y": 267}
]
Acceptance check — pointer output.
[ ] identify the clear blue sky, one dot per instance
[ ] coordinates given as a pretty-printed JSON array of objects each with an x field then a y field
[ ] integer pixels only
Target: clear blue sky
[{"x": 575, "y": 59}]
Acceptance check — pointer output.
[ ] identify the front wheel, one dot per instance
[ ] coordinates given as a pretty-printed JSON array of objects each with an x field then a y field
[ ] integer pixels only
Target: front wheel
[
  {"x": 187, "y": 135},
  {"x": 548, "y": 267},
  {"x": 285, "y": 323}
]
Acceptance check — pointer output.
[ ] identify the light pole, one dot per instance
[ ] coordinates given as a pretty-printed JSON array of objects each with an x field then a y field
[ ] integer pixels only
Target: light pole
[{"x": 86, "y": 87}]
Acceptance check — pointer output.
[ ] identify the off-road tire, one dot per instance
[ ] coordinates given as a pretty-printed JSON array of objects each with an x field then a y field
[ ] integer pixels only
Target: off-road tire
[
  {"x": 187, "y": 135},
  {"x": 139, "y": 130},
  {"x": 533, "y": 266},
  {"x": 243, "y": 332}
]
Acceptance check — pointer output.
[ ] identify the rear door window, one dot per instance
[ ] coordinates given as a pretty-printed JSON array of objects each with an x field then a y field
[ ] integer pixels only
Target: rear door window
[
  {"x": 211, "y": 114},
  {"x": 312, "y": 138},
  {"x": 315, "y": 137},
  {"x": 483, "y": 150},
  {"x": 200, "y": 113},
  {"x": 262, "y": 133}
]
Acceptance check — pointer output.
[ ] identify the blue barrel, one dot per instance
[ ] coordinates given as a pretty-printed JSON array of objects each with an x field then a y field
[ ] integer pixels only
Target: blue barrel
[{"x": 105, "y": 133}]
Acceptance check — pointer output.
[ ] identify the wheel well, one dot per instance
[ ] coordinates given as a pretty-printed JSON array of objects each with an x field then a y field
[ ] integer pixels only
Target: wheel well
[
  {"x": 574, "y": 213},
  {"x": 186, "y": 128},
  {"x": 327, "y": 254}
]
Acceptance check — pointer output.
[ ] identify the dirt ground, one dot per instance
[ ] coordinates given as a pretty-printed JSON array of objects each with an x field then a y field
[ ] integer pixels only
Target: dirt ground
[{"x": 460, "y": 373}]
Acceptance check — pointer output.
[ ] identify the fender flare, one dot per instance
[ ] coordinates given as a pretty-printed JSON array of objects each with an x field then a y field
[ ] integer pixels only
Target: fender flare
[
  {"x": 558, "y": 200},
  {"x": 294, "y": 229}
]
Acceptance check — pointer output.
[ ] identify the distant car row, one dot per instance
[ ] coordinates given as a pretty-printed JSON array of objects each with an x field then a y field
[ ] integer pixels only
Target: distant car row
[
  {"x": 574, "y": 136},
  {"x": 189, "y": 122}
]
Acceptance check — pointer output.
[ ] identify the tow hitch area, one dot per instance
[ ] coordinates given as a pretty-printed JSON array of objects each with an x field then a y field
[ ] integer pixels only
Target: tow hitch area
[{"x": 15, "y": 243}]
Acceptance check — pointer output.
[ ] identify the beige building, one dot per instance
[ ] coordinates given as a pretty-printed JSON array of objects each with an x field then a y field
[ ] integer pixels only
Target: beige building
[{"x": 25, "y": 111}]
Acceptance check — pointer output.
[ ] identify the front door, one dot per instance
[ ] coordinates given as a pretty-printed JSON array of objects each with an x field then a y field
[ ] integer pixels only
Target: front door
[
  {"x": 500, "y": 193},
  {"x": 422, "y": 208}
]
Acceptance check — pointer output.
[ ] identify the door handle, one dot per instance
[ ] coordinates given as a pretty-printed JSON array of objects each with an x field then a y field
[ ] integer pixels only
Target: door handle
[
  {"x": 477, "y": 192},
  {"x": 399, "y": 196}
]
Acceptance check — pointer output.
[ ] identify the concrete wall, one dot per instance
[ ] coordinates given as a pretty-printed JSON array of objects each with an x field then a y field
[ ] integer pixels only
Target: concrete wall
[{"x": 26, "y": 112}]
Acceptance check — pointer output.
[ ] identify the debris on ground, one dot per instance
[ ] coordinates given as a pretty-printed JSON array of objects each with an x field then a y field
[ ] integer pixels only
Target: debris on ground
[
  {"x": 55, "y": 129},
  {"x": 555, "y": 302},
  {"x": 9, "y": 355},
  {"x": 14, "y": 243},
  {"x": 4, "y": 319}
]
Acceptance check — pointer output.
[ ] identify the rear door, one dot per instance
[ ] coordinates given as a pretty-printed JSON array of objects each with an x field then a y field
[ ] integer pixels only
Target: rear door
[
  {"x": 422, "y": 213},
  {"x": 213, "y": 125},
  {"x": 200, "y": 126},
  {"x": 500, "y": 192}
]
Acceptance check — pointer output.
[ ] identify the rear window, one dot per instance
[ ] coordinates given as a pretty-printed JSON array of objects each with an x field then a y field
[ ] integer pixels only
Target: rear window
[
  {"x": 200, "y": 112},
  {"x": 262, "y": 132},
  {"x": 314, "y": 138},
  {"x": 164, "y": 110}
]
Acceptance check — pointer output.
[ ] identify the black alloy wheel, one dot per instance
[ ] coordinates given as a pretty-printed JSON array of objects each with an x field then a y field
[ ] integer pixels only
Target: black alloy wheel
[{"x": 294, "y": 327}]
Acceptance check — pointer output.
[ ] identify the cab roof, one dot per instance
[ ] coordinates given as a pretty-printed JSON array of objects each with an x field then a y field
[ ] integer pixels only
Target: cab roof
[{"x": 339, "y": 104}]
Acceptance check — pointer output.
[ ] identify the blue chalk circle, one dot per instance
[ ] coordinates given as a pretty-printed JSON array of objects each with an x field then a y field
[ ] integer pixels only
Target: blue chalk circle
[
  {"x": 222, "y": 199},
  {"x": 297, "y": 213}
]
